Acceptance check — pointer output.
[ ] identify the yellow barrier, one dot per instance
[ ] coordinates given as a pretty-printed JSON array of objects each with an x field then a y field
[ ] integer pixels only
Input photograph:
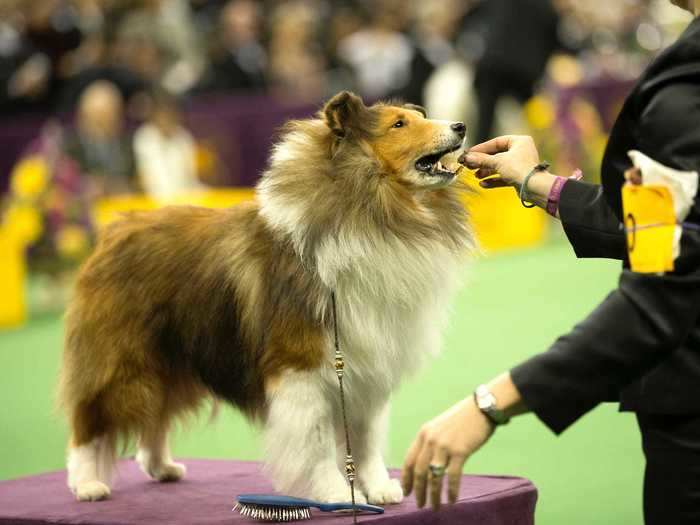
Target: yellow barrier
[
  {"x": 500, "y": 222},
  {"x": 13, "y": 303},
  {"x": 106, "y": 210}
]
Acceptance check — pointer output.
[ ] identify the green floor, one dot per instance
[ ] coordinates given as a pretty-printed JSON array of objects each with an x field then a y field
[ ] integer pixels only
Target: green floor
[{"x": 512, "y": 306}]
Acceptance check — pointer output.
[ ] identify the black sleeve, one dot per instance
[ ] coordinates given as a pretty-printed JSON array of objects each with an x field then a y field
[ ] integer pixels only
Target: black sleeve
[
  {"x": 590, "y": 225},
  {"x": 648, "y": 316}
]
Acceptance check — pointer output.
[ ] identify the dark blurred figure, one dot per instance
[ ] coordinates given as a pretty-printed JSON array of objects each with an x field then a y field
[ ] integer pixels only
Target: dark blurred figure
[
  {"x": 520, "y": 38},
  {"x": 128, "y": 66},
  {"x": 239, "y": 60},
  {"x": 436, "y": 26},
  {"x": 35, "y": 39},
  {"x": 106, "y": 55},
  {"x": 205, "y": 15},
  {"x": 100, "y": 144},
  {"x": 344, "y": 20}
]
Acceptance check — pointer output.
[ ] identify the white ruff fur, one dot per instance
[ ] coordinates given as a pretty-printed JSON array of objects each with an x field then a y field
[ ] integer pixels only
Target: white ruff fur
[{"x": 393, "y": 301}]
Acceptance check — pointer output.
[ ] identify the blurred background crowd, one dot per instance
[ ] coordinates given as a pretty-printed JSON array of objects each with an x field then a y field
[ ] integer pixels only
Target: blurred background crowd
[
  {"x": 51, "y": 50},
  {"x": 165, "y": 97}
]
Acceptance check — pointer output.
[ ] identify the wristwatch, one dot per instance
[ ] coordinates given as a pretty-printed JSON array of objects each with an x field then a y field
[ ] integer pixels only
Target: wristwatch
[{"x": 486, "y": 402}]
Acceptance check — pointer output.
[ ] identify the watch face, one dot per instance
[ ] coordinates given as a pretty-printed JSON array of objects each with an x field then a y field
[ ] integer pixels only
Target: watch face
[{"x": 485, "y": 400}]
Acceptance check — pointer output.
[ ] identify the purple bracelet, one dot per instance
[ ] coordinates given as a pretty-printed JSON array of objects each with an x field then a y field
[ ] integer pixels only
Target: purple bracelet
[
  {"x": 554, "y": 194},
  {"x": 555, "y": 191}
]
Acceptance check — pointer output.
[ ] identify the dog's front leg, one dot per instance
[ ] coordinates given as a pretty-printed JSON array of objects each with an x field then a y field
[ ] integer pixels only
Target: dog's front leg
[
  {"x": 369, "y": 438},
  {"x": 300, "y": 440}
]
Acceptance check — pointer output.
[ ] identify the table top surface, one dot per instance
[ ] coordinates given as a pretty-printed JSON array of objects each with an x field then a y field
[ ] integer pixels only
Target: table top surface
[{"x": 207, "y": 494}]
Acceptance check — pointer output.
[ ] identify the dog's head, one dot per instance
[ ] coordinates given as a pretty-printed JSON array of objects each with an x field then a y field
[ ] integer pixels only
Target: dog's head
[{"x": 407, "y": 145}]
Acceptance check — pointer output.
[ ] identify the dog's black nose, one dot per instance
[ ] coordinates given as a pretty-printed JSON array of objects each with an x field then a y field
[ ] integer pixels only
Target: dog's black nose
[{"x": 460, "y": 128}]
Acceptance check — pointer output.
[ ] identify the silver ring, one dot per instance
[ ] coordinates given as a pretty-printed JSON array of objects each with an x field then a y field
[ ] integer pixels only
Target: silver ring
[{"x": 437, "y": 471}]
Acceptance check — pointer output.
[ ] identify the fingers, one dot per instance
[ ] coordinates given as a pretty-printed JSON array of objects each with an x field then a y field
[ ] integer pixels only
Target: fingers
[
  {"x": 454, "y": 477},
  {"x": 473, "y": 160},
  {"x": 495, "y": 145},
  {"x": 409, "y": 465},
  {"x": 420, "y": 473},
  {"x": 440, "y": 458},
  {"x": 483, "y": 173},
  {"x": 493, "y": 183}
]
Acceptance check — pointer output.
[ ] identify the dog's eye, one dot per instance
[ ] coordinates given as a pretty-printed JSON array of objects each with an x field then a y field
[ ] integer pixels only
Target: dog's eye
[{"x": 398, "y": 124}]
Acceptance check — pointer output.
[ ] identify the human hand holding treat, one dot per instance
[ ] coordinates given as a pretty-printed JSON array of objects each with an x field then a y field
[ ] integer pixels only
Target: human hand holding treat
[{"x": 511, "y": 160}]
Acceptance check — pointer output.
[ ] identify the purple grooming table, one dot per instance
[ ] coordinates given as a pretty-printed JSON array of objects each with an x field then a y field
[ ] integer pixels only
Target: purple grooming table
[{"x": 207, "y": 494}]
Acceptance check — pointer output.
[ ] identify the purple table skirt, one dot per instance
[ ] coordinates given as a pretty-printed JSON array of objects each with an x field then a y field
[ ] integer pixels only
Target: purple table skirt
[{"x": 207, "y": 494}]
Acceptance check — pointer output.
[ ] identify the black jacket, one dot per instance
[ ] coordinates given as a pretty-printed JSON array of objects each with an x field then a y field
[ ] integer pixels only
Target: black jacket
[
  {"x": 641, "y": 345},
  {"x": 519, "y": 40}
]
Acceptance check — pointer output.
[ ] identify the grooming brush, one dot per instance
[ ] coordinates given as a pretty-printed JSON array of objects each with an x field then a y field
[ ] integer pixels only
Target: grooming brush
[{"x": 263, "y": 507}]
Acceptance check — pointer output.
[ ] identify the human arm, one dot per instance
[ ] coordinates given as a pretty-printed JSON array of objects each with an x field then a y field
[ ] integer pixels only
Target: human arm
[
  {"x": 638, "y": 326},
  {"x": 590, "y": 224}
]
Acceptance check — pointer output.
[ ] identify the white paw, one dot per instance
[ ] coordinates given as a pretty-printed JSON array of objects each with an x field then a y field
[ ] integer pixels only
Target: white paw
[
  {"x": 91, "y": 491},
  {"x": 169, "y": 472},
  {"x": 385, "y": 492}
]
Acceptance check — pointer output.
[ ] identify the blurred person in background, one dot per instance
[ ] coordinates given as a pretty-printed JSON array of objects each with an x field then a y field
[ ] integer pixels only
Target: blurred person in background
[
  {"x": 35, "y": 38},
  {"x": 206, "y": 16},
  {"x": 641, "y": 345},
  {"x": 133, "y": 65},
  {"x": 100, "y": 144},
  {"x": 520, "y": 38},
  {"x": 297, "y": 67},
  {"x": 24, "y": 72},
  {"x": 436, "y": 24},
  {"x": 167, "y": 26},
  {"x": 239, "y": 59},
  {"x": 165, "y": 151},
  {"x": 344, "y": 21},
  {"x": 380, "y": 54}
]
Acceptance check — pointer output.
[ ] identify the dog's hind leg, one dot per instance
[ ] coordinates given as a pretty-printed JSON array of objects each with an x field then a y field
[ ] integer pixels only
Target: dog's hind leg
[
  {"x": 91, "y": 455},
  {"x": 153, "y": 455}
]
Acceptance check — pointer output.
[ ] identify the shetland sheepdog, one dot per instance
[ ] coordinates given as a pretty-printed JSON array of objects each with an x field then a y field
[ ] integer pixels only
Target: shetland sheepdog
[{"x": 183, "y": 304}]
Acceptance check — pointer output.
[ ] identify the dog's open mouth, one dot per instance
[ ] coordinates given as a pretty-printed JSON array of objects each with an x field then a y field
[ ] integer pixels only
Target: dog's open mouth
[{"x": 432, "y": 165}]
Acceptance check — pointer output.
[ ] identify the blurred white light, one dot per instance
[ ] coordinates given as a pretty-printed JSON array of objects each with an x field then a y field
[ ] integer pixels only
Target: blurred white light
[{"x": 649, "y": 37}]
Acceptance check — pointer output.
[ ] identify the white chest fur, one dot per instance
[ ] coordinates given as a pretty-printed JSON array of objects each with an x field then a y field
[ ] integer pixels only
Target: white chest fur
[{"x": 393, "y": 301}]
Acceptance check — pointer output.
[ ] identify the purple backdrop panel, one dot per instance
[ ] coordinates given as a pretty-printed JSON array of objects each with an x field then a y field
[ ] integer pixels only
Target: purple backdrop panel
[
  {"x": 241, "y": 128},
  {"x": 207, "y": 494},
  {"x": 15, "y": 136}
]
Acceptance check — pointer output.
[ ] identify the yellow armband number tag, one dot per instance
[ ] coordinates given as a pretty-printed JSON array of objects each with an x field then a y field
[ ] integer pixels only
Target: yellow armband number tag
[{"x": 650, "y": 222}]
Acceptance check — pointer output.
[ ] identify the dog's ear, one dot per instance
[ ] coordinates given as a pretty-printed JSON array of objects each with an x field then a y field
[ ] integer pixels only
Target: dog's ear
[
  {"x": 416, "y": 107},
  {"x": 344, "y": 111}
]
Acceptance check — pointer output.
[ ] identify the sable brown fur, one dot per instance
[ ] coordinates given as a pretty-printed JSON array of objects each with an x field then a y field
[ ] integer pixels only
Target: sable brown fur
[{"x": 156, "y": 321}]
